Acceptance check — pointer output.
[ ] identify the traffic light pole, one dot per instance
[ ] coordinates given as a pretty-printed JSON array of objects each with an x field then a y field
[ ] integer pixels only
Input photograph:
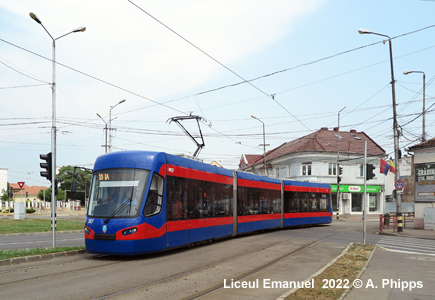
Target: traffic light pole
[
  {"x": 50, "y": 173},
  {"x": 53, "y": 127},
  {"x": 53, "y": 147}
]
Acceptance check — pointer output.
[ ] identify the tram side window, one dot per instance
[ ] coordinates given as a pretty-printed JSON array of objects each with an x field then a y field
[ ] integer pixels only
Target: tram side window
[
  {"x": 305, "y": 202},
  {"x": 154, "y": 200},
  {"x": 292, "y": 202},
  {"x": 206, "y": 199},
  {"x": 197, "y": 199},
  {"x": 253, "y": 201},
  {"x": 176, "y": 199},
  {"x": 314, "y": 203},
  {"x": 324, "y": 202}
]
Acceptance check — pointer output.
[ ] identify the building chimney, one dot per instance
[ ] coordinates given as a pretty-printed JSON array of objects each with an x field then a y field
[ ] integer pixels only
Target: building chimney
[
  {"x": 336, "y": 129},
  {"x": 352, "y": 131}
]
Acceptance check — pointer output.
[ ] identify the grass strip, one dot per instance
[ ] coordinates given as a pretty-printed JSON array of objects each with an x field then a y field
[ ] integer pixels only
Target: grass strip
[
  {"x": 37, "y": 225},
  {"x": 7, "y": 254},
  {"x": 344, "y": 270}
]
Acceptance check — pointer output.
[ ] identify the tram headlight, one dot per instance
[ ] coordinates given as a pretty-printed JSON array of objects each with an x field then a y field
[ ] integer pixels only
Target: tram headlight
[{"x": 129, "y": 231}]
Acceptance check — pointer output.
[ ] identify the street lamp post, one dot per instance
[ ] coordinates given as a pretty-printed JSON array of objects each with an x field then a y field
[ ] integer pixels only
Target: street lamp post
[
  {"x": 395, "y": 128},
  {"x": 264, "y": 144},
  {"x": 105, "y": 130},
  {"x": 110, "y": 123},
  {"x": 423, "y": 136},
  {"x": 53, "y": 127}
]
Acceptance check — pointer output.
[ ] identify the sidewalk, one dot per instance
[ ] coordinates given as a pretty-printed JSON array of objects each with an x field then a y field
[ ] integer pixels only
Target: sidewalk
[
  {"x": 373, "y": 226},
  {"x": 393, "y": 275}
]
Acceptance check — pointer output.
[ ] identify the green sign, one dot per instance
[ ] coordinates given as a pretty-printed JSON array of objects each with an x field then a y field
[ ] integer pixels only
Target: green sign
[{"x": 355, "y": 188}]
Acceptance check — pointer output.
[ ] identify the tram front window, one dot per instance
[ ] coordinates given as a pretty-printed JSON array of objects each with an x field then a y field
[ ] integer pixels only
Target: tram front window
[{"x": 117, "y": 193}]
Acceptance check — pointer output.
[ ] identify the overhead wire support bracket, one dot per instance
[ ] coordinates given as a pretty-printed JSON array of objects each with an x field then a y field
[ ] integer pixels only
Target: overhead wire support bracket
[{"x": 199, "y": 145}]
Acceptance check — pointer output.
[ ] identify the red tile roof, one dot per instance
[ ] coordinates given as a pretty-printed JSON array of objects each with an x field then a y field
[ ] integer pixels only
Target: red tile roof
[
  {"x": 325, "y": 140},
  {"x": 32, "y": 190}
]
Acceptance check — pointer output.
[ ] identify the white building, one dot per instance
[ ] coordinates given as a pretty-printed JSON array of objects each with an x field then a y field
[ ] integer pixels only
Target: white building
[
  {"x": 422, "y": 182},
  {"x": 314, "y": 158},
  {"x": 3, "y": 179}
]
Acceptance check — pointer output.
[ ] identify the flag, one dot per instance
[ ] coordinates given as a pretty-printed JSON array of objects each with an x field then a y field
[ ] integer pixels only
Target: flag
[
  {"x": 392, "y": 166},
  {"x": 384, "y": 167}
]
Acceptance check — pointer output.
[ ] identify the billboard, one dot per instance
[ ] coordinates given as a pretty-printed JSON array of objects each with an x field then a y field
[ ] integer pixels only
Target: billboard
[{"x": 424, "y": 182}]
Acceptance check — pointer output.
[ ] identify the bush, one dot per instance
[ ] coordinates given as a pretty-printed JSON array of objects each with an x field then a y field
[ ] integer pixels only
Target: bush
[{"x": 30, "y": 210}]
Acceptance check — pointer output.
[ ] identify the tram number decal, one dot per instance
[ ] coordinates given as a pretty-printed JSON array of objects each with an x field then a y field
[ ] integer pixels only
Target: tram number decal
[{"x": 103, "y": 177}]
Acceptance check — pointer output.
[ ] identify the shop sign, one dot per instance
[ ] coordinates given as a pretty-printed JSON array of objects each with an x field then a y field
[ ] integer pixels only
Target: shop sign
[
  {"x": 355, "y": 188},
  {"x": 424, "y": 182}
]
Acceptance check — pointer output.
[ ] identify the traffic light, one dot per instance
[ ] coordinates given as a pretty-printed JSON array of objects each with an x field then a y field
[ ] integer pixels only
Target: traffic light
[
  {"x": 74, "y": 182},
  {"x": 370, "y": 171},
  {"x": 340, "y": 172},
  {"x": 47, "y": 165},
  {"x": 27, "y": 194}
]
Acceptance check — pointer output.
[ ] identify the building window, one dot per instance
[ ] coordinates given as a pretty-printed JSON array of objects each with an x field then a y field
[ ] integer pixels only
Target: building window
[
  {"x": 332, "y": 170},
  {"x": 306, "y": 169},
  {"x": 361, "y": 170}
]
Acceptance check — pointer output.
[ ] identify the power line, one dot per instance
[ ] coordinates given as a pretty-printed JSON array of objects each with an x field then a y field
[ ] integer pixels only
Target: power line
[{"x": 221, "y": 64}]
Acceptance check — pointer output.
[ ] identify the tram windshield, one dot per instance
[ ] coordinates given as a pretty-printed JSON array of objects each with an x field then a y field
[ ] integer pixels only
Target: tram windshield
[{"x": 117, "y": 193}]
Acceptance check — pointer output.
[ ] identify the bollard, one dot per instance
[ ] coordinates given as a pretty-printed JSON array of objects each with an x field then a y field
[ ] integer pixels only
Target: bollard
[
  {"x": 399, "y": 222},
  {"x": 381, "y": 222}
]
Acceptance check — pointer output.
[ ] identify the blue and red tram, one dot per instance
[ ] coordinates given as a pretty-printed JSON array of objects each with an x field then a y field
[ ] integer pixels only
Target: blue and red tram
[{"x": 143, "y": 202}]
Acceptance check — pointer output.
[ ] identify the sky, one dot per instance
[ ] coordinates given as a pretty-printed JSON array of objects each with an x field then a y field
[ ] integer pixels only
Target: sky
[{"x": 292, "y": 64}]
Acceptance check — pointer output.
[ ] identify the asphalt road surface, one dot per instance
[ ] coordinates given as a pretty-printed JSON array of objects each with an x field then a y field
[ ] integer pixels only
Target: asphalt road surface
[
  {"x": 23, "y": 241},
  {"x": 211, "y": 271}
]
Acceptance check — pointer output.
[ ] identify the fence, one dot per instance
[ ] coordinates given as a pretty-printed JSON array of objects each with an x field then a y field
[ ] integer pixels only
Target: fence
[
  {"x": 40, "y": 206},
  {"x": 387, "y": 220}
]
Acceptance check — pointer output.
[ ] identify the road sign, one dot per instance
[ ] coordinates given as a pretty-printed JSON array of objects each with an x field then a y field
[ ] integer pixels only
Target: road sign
[
  {"x": 399, "y": 185},
  {"x": 21, "y": 184}
]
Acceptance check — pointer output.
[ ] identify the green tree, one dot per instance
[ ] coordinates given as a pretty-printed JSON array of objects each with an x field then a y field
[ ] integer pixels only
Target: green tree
[
  {"x": 5, "y": 195},
  {"x": 66, "y": 175},
  {"x": 61, "y": 195}
]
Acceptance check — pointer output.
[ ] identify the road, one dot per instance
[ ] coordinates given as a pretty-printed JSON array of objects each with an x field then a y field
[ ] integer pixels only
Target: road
[
  {"x": 282, "y": 255},
  {"x": 23, "y": 241},
  {"x": 211, "y": 271}
]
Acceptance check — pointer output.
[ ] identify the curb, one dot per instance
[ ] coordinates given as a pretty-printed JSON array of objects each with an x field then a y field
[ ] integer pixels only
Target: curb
[
  {"x": 358, "y": 276},
  {"x": 283, "y": 296},
  {"x": 32, "y": 258}
]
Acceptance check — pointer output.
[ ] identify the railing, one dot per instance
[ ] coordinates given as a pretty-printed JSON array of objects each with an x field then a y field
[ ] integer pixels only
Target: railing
[{"x": 387, "y": 220}]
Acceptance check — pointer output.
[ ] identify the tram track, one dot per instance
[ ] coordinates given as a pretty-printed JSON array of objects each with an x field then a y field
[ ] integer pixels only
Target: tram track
[
  {"x": 220, "y": 262},
  {"x": 259, "y": 269},
  {"x": 47, "y": 265}
]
